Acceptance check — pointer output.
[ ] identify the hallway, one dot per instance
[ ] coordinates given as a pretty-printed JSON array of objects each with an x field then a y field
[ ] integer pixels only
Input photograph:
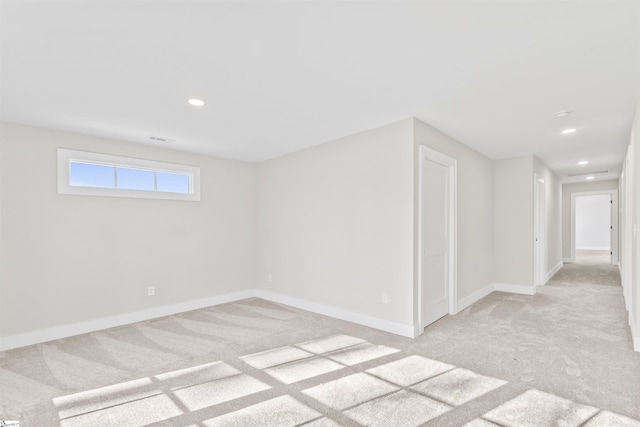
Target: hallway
[{"x": 571, "y": 339}]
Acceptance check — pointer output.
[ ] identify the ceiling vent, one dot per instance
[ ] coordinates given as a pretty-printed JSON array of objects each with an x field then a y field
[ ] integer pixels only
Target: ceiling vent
[
  {"x": 586, "y": 173},
  {"x": 160, "y": 139}
]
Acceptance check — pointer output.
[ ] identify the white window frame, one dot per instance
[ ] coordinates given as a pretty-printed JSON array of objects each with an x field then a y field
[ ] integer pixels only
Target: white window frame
[{"x": 66, "y": 156}]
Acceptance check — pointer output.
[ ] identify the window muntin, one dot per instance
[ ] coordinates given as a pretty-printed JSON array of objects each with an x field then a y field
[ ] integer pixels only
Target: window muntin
[{"x": 96, "y": 174}]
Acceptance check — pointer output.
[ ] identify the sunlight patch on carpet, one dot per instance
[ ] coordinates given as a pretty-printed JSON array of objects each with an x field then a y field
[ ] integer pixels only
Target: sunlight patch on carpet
[{"x": 284, "y": 411}]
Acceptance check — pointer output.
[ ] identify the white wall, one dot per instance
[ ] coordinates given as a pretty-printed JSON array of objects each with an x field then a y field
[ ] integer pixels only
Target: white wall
[
  {"x": 513, "y": 221},
  {"x": 68, "y": 259},
  {"x": 593, "y": 222},
  {"x": 553, "y": 220},
  {"x": 580, "y": 187},
  {"x": 630, "y": 248},
  {"x": 335, "y": 224},
  {"x": 635, "y": 256},
  {"x": 513, "y": 189},
  {"x": 475, "y": 210}
]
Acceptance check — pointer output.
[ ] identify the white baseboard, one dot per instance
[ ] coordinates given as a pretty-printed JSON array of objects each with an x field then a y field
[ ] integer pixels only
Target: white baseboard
[
  {"x": 474, "y": 297},
  {"x": 69, "y": 330},
  {"x": 625, "y": 290},
  {"x": 553, "y": 271},
  {"x": 406, "y": 330},
  {"x": 635, "y": 335},
  {"x": 593, "y": 248},
  {"x": 402, "y": 329},
  {"x": 568, "y": 260},
  {"x": 417, "y": 330},
  {"x": 515, "y": 289}
]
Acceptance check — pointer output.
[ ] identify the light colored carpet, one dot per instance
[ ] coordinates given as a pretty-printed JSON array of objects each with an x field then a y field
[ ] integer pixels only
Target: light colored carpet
[
  {"x": 591, "y": 257},
  {"x": 561, "y": 357}
]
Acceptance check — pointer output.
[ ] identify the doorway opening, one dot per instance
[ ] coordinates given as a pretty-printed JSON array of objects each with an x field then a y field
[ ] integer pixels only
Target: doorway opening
[
  {"x": 437, "y": 236},
  {"x": 594, "y": 227}
]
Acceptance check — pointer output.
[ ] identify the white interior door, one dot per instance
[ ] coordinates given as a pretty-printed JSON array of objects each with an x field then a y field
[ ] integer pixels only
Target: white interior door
[{"x": 435, "y": 241}]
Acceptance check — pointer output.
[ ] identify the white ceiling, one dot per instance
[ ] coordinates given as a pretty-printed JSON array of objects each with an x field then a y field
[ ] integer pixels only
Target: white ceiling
[{"x": 282, "y": 76}]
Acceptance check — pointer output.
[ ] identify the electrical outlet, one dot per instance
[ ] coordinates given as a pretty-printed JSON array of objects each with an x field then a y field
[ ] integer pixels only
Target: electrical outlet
[
  {"x": 151, "y": 291},
  {"x": 384, "y": 298}
]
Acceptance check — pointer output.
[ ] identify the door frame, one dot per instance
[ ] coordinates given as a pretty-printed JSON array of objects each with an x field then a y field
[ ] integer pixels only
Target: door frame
[
  {"x": 626, "y": 237},
  {"x": 614, "y": 221},
  {"x": 539, "y": 231},
  {"x": 626, "y": 226},
  {"x": 452, "y": 165}
]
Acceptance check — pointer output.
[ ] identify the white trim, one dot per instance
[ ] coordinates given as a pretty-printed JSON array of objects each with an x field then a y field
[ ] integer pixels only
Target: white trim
[
  {"x": 553, "y": 271},
  {"x": 568, "y": 260},
  {"x": 402, "y": 329},
  {"x": 474, "y": 297},
  {"x": 417, "y": 330},
  {"x": 614, "y": 221},
  {"x": 594, "y": 248},
  {"x": 452, "y": 165},
  {"x": 72, "y": 329},
  {"x": 65, "y": 156},
  {"x": 515, "y": 289},
  {"x": 626, "y": 233},
  {"x": 626, "y": 291},
  {"x": 634, "y": 337},
  {"x": 69, "y": 330},
  {"x": 539, "y": 230}
]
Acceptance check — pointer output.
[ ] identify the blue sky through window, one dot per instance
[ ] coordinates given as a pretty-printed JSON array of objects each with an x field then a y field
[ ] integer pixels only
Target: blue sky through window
[
  {"x": 135, "y": 179},
  {"x": 128, "y": 178},
  {"x": 106, "y": 175},
  {"x": 172, "y": 182},
  {"x": 92, "y": 175}
]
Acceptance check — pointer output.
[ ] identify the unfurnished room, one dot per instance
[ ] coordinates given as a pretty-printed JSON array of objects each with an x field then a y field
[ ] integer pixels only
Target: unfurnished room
[{"x": 319, "y": 213}]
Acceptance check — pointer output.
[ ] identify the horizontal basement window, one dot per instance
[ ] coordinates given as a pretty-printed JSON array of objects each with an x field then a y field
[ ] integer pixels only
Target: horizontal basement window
[{"x": 96, "y": 174}]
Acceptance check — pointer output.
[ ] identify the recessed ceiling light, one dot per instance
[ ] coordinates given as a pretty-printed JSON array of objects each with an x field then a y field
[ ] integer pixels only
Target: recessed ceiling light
[
  {"x": 584, "y": 162},
  {"x": 572, "y": 130},
  {"x": 590, "y": 177},
  {"x": 196, "y": 102}
]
